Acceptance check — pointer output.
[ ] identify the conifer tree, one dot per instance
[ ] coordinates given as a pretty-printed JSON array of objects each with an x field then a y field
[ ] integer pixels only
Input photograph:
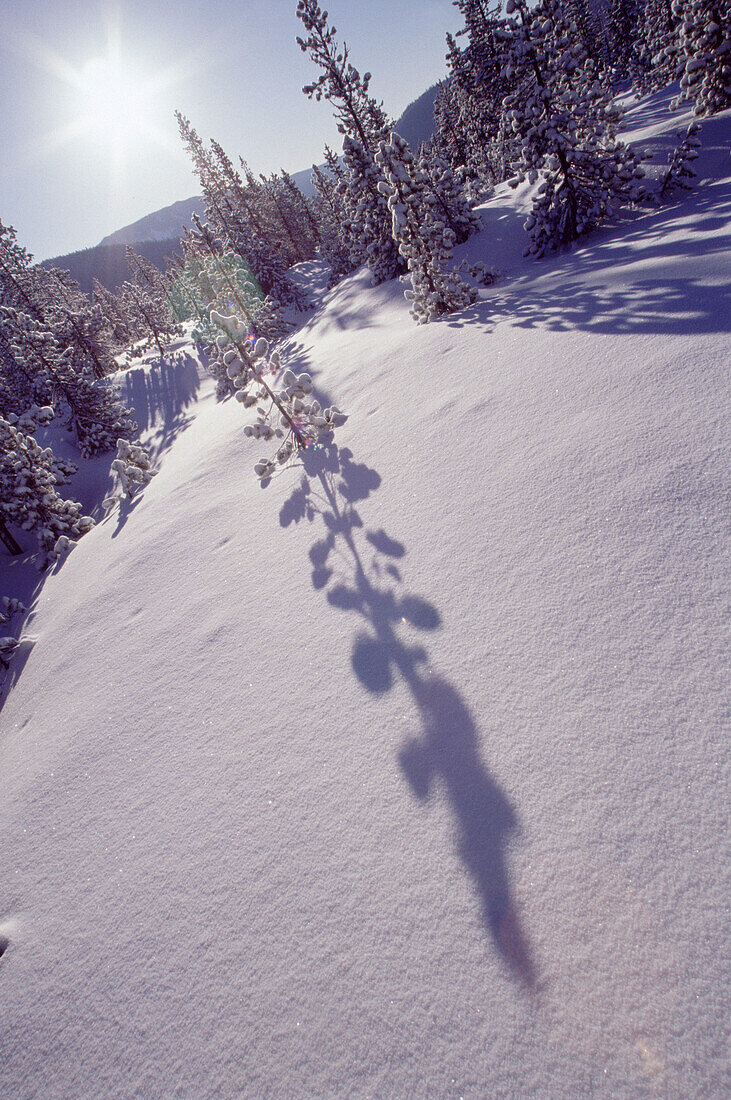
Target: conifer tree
[
  {"x": 335, "y": 248},
  {"x": 28, "y": 497},
  {"x": 94, "y": 412},
  {"x": 679, "y": 170},
  {"x": 704, "y": 47},
  {"x": 239, "y": 213},
  {"x": 469, "y": 112},
  {"x": 423, "y": 238},
  {"x": 363, "y": 124},
  {"x": 146, "y": 301},
  {"x": 116, "y": 323},
  {"x": 562, "y": 128},
  {"x": 659, "y": 49},
  {"x": 623, "y": 40}
]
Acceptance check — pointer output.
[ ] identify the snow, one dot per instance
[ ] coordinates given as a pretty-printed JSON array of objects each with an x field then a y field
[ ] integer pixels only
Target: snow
[{"x": 405, "y": 776}]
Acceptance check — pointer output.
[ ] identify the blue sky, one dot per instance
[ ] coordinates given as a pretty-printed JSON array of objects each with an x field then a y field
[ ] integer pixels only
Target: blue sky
[{"x": 88, "y": 92}]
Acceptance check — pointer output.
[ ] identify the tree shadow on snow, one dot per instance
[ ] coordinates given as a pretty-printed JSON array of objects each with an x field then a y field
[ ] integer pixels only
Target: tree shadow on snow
[
  {"x": 359, "y": 570},
  {"x": 639, "y": 280},
  {"x": 159, "y": 395}
]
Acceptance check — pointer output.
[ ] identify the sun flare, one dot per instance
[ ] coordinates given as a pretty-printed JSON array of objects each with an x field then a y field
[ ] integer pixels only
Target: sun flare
[{"x": 115, "y": 104}]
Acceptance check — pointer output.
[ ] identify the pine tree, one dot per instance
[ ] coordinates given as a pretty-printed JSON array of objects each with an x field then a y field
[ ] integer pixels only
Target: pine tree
[
  {"x": 92, "y": 406},
  {"x": 679, "y": 171},
  {"x": 335, "y": 248},
  {"x": 704, "y": 46},
  {"x": 424, "y": 239},
  {"x": 622, "y": 33},
  {"x": 470, "y": 113},
  {"x": 240, "y": 213},
  {"x": 363, "y": 124},
  {"x": 115, "y": 322},
  {"x": 563, "y": 128},
  {"x": 28, "y": 497},
  {"x": 659, "y": 47},
  {"x": 146, "y": 301},
  {"x": 133, "y": 469}
]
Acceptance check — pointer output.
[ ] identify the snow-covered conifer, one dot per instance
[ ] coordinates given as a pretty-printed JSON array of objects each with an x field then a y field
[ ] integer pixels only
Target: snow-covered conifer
[
  {"x": 424, "y": 239},
  {"x": 115, "y": 321},
  {"x": 146, "y": 301},
  {"x": 679, "y": 171},
  {"x": 133, "y": 469},
  {"x": 369, "y": 220},
  {"x": 562, "y": 124},
  {"x": 468, "y": 110},
  {"x": 364, "y": 124},
  {"x": 286, "y": 413},
  {"x": 704, "y": 41},
  {"x": 92, "y": 406},
  {"x": 241, "y": 213},
  {"x": 658, "y": 44},
  {"x": 335, "y": 248},
  {"x": 623, "y": 46},
  {"x": 28, "y": 497}
]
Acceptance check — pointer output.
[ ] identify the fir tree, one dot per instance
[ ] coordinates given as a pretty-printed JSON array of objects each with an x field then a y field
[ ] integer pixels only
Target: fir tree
[
  {"x": 704, "y": 46},
  {"x": 423, "y": 238},
  {"x": 563, "y": 128}
]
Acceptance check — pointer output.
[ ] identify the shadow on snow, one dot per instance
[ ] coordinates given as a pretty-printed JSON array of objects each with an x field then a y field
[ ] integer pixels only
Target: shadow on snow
[{"x": 360, "y": 573}]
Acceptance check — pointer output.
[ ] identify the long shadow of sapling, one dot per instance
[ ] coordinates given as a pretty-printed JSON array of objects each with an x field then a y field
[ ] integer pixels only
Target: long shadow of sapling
[{"x": 360, "y": 570}]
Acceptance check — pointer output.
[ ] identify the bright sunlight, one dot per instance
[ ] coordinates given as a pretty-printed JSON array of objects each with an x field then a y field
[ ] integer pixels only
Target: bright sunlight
[{"x": 114, "y": 102}]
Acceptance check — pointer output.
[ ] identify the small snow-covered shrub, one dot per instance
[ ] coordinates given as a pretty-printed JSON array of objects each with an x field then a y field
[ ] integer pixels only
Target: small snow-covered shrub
[
  {"x": 679, "y": 171},
  {"x": 133, "y": 469},
  {"x": 287, "y": 413}
]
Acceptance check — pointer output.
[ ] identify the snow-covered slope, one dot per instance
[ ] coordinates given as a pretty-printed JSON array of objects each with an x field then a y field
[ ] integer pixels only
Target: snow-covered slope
[{"x": 406, "y": 776}]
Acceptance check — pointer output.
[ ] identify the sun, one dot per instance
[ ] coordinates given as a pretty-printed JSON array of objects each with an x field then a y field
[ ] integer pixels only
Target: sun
[
  {"x": 115, "y": 104},
  {"x": 110, "y": 101}
]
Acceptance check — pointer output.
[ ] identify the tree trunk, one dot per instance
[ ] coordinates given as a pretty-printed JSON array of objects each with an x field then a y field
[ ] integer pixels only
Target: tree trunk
[{"x": 8, "y": 539}]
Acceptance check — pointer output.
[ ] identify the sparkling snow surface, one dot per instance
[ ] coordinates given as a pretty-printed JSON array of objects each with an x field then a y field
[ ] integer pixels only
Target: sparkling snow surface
[{"x": 406, "y": 776}]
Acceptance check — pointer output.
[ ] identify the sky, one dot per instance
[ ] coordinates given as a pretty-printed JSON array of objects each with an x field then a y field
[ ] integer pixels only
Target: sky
[{"x": 88, "y": 90}]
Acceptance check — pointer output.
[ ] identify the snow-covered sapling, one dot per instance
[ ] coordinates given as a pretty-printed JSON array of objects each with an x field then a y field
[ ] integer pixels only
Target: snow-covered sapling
[
  {"x": 133, "y": 468},
  {"x": 679, "y": 170},
  {"x": 285, "y": 411}
]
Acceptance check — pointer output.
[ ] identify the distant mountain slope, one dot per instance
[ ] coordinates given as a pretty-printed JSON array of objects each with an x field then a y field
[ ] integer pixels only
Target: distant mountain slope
[
  {"x": 106, "y": 262},
  {"x": 162, "y": 225},
  {"x": 417, "y": 122}
]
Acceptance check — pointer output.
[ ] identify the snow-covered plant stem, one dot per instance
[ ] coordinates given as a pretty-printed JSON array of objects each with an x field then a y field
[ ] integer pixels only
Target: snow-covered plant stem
[{"x": 300, "y": 421}]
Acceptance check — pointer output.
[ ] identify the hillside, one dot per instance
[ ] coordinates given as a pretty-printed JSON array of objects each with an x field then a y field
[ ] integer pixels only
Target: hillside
[{"x": 404, "y": 776}]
